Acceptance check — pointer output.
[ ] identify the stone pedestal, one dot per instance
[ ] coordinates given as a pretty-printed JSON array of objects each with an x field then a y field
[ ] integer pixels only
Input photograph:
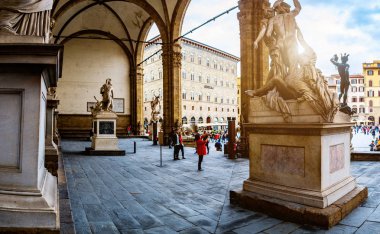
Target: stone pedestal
[
  {"x": 153, "y": 128},
  {"x": 28, "y": 193},
  {"x": 104, "y": 140},
  {"x": 231, "y": 138},
  {"x": 51, "y": 149},
  {"x": 306, "y": 162}
]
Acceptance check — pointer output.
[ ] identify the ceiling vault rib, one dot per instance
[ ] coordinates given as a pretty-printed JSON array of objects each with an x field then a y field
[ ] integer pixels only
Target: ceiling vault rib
[
  {"x": 166, "y": 12},
  {"x": 141, "y": 34},
  {"x": 123, "y": 25},
  {"x": 66, "y": 6},
  {"x": 72, "y": 18},
  {"x": 55, "y": 4}
]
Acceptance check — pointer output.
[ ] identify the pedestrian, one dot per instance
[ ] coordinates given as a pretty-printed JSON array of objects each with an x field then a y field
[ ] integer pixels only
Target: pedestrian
[
  {"x": 205, "y": 135},
  {"x": 181, "y": 144},
  {"x": 176, "y": 145},
  {"x": 372, "y": 145},
  {"x": 201, "y": 150}
]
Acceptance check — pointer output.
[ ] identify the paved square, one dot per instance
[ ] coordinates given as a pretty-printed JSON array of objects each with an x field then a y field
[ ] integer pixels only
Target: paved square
[{"x": 132, "y": 194}]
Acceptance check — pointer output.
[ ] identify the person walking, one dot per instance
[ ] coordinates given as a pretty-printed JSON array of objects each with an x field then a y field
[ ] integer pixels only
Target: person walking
[
  {"x": 201, "y": 150},
  {"x": 180, "y": 147},
  {"x": 176, "y": 145}
]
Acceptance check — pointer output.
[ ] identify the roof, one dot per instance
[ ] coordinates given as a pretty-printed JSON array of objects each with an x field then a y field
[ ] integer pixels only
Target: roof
[{"x": 200, "y": 45}]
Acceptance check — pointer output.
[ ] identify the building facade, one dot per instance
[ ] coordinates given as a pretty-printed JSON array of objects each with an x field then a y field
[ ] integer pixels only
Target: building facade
[
  {"x": 355, "y": 98},
  {"x": 209, "y": 84},
  {"x": 371, "y": 72}
]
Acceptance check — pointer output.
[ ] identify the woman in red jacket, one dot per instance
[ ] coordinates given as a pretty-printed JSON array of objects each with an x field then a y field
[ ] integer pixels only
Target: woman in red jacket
[{"x": 201, "y": 149}]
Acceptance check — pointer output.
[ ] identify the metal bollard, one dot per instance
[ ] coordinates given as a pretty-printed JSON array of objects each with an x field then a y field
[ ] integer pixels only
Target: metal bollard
[{"x": 134, "y": 147}]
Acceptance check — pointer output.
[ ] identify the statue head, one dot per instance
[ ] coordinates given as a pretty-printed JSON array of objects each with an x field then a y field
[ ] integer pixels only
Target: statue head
[
  {"x": 344, "y": 58},
  {"x": 108, "y": 81},
  {"x": 281, "y": 7}
]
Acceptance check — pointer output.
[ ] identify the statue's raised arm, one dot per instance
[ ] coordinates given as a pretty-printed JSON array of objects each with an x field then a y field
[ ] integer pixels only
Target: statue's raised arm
[{"x": 297, "y": 8}]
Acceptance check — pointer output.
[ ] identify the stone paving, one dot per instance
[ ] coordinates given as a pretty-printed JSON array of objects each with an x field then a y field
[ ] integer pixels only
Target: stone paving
[{"x": 133, "y": 194}]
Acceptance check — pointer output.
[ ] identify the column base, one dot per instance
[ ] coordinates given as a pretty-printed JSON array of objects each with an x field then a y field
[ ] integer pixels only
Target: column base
[
  {"x": 294, "y": 212},
  {"x": 31, "y": 211}
]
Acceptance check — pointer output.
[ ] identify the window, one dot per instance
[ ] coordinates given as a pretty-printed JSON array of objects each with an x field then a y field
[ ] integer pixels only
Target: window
[
  {"x": 233, "y": 71},
  {"x": 159, "y": 74},
  {"x": 192, "y": 97},
  {"x": 160, "y": 92},
  {"x": 354, "y": 89},
  {"x": 361, "y": 109},
  {"x": 370, "y": 103},
  {"x": 200, "y": 120},
  {"x": 228, "y": 101},
  {"x": 184, "y": 94},
  {"x": 233, "y": 110},
  {"x": 208, "y": 108},
  {"x": 151, "y": 75},
  {"x": 370, "y": 83},
  {"x": 145, "y": 96},
  {"x": 228, "y": 109},
  {"x": 208, "y": 63},
  {"x": 208, "y": 97},
  {"x": 355, "y": 109},
  {"x": 200, "y": 108},
  {"x": 233, "y": 101},
  {"x": 361, "y": 81},
  {"x": 215, "y": 65},
  {"x": 216, "y": 108},
  {"x": 192, "y": 107},
  {"x": 222, "y": 109},
  {"x": 200, "y": 97},
  {"x": 370, "y": 72},
  {"x": 361, "y": 99},
  {"x": 184, "y": 107},
  {"x": 378, "y": 93},
  {"x": 199, "y": 60},
  {"x": 354, "y": 99},
  {"x": 192, "y": 76},
  {"x": 184, "y": 120},
  {"x": 378, "y": 71},
  {"x": 216, "y": 99},
  {"x": 200, "y": 78},
  {"x": 192, "y": 58},
  {"x": 370, "y": 110},
  {"x": 145, "y": 108},
  {"x": 233, "y": 85},
  {"x": 361, "y": 89},
  {"x": 152, "y": 59},
  {"x": 353, "y": 81},
  {"x": 338, "y": 82},
  {"x": 370, "y": 93},
  {"x": 192, "y": 120},
  {"x": 184, "y": 74},
  {"x": 221, "y": 100},
  {"x": 215, "y": 81},
  {"x": 208, "y": 80},
  {"x": 227, "y": 84},
  {"x": 184, "y": 57},
  {"x": 221, "y": 83}
]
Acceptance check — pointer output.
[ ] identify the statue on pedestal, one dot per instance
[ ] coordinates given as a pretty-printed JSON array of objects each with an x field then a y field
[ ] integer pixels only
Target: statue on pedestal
[
  {"x": 292, "y": 75},
  {"x": 344, "y": 74},
  {"x": 107, "y": 99},
  {"x": 25, "y": 17},
  {"x": 156, "y": 108}
]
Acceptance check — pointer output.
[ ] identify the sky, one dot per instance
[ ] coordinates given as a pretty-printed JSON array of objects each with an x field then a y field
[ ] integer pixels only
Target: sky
[{"x": 329, "y": 27}]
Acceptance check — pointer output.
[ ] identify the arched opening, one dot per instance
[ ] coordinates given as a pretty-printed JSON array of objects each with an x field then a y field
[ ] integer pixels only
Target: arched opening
[
  {"x": 200, "y": 120},
  {"x": 184, "y": 120},
  {"x": 192, "y": 120}
]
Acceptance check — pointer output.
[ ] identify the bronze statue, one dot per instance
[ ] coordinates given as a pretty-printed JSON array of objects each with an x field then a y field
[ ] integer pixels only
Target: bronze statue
[{"x": 344, "y": 74}]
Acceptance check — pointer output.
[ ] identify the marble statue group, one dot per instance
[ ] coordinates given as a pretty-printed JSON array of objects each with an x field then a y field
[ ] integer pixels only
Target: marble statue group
[
  {"x": 292, "y": 75},
  {"x": 107, "y": 98}
]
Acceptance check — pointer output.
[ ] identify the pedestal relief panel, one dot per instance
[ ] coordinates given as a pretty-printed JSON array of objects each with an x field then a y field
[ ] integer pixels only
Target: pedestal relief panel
[
  {"x": 336, "y": 157},
  {"x": 274, "y": 156},
  {"x": 11, "y": 104}
]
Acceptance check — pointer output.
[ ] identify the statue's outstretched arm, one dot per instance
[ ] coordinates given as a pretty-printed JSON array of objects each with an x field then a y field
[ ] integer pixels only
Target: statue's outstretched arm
[
  {"x": 297, "y": 6},
  {"x": 261, "y": 35},
  {"x": 334, "y": 62},
  {"x": 270, "y": 27}
]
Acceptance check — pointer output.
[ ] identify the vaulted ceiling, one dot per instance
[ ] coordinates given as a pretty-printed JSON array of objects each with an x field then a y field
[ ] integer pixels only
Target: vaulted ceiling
[{"x": 127, "y": 22}]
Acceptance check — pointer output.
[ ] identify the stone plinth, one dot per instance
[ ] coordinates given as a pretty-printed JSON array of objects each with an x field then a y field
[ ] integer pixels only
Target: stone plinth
[
  {"x": 304, "y": 163},
  {"x": 51, "y": 148},
  {"x": 104, "y": 140},
  {"x": 28, "y": 193}
]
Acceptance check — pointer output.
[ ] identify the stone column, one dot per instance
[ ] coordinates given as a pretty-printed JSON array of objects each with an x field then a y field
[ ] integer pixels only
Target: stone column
[
  {"x": 140, "y": 101},
  {"x": 28, "y": 192},
  {"x": 172, "y": 101},
  {"x": 254, "y": 63},
  {"x": 51, "y": 149},
  {"x": 231, "y": 137},
  {"x": 56, "y": 137}
]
